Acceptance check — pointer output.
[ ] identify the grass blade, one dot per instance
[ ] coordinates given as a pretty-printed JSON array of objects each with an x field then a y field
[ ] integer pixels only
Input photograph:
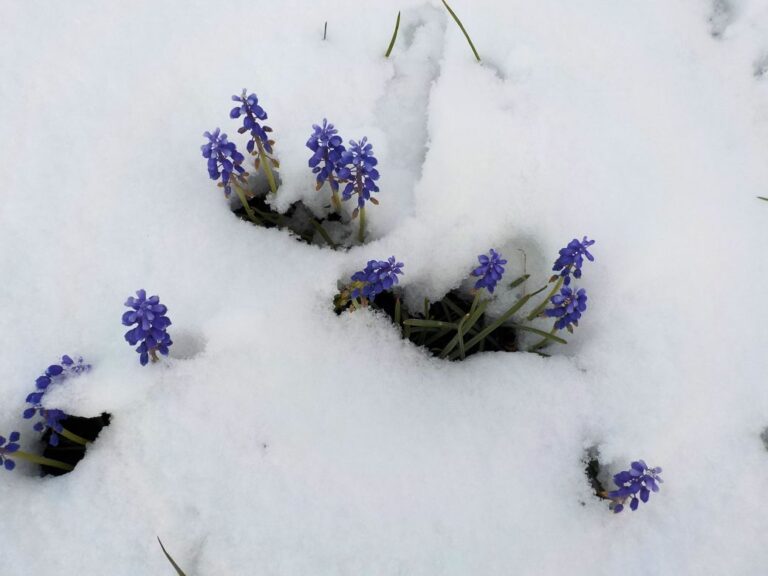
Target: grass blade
[
  {"x": 763, "y": 198},
  {"x": 394, "y": 37},
  {"x": 473, "y": 318},
  {"x": 435, "y": 324},
  {"x": 519, "y": 281},
  {"x": 179, "y": 571},
  {"x": 456, "y": 19},
  {"x": 541, "y": 333}
]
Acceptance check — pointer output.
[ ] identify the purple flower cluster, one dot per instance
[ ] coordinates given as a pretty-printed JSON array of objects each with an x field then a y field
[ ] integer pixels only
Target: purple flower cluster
[
  {"x": 491, "y": 270},
  {"x": 223, "y": 159},
  {"x": 571, "y": 259},
  {"x": 252, "y": 113},
  {"x": 358, "y": 169},
  {"x": 49, "y": 417},
  {"x": 378, "y": 276},
  {"x": 636, "y": 482},
  {"x": 327, "y": 149},
  {"x": 7, "y": 448},
  {"x": 151, "y": 323},
  {"x": 567, "y": 307}
]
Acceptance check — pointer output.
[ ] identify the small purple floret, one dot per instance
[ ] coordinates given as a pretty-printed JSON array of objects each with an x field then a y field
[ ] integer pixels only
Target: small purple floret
[
  {"x": 358, "y": 169},
  {"x": 151, "y": 322},
  {"x": 327, "y": 149},
  {"x": 378, "y": 276},
  {"x": 251, "y": 112},
  {"x": 491, "y": 270},
  {"x": 223, "y": 158},
  {"x": 8, "y": 447},
  {"x": 571, "y": 259},
  {"x": 636, "y": 483},
  {"x": 567, "y": 307}
]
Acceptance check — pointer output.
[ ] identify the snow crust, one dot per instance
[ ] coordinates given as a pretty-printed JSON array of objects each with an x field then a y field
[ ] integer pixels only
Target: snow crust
[{"x": 281, "y": 439}]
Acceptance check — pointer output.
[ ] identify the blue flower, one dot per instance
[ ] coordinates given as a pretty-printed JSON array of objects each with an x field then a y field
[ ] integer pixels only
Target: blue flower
[
  {"x": 567, "y": 307},
  {"x": 491, "y": 270},
  {"x": 223, "y": 158},
  {"x": 572, "y": 257},
  {"x": 151, "y": 324},
  {"x": 358, "y": 168},
  {"x": 9, "y": 448},
  {"x": 251, "y": 112},
  {"x": 378, "y": 276},
  {"x": 636, "y": 482},
  {"x": 51, "y": 418},
  {"x": 328, "y": 150}
]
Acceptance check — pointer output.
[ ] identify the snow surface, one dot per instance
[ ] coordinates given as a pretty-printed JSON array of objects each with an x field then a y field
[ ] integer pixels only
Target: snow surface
[{"x": 281, "y": 439}]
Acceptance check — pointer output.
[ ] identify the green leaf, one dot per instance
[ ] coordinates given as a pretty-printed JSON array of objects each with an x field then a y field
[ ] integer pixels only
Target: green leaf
[
  {"x": 763, "y": 198},
  {"x": 394, "y": 37},
  {"x": 433, "y": 324},
  {"x": 519, "y": 281},
  {"x": 179, "y": 571},
  {"x": 546, "y": 335},
  {"x": 473, "y": 318},
  {"x": 456, "y": 19}
]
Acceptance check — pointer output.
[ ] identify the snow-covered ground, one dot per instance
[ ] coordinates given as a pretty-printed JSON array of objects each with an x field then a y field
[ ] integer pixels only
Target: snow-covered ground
[{"x": 281, "y": 439}]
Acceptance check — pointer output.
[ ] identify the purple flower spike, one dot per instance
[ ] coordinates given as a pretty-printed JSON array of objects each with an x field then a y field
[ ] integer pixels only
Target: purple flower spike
[
  {"x": 7, "y": 448},
  {"x": 637, "y": 483},
  {"x": 151, "y": 323},
  {"x": 223, "y": 159},
  {"x": 252, "y": 113},
  {"x": 491, "y": 270},
  {"x": 327, "y": 149},
  {"x": 377, "y": 277},
  {"x": 358, "y": 169},
  {"x": 51, "y": 418},
  {"x": 567, "y": 307},
  {"x": 571, "y": 259}
]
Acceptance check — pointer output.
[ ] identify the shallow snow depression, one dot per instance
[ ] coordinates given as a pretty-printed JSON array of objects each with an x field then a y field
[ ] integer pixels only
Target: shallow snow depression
[{"x": 280, "y": 438}]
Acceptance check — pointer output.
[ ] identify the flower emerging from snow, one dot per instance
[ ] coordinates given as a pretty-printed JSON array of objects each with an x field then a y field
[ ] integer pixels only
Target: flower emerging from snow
[
  {"x": 636, "y": 482},
  {"x": 358, "y": 168},
  {"x": 491, "y": 270},
  {"x": 223, "y": 158},
  {"x": 151, "y": 323},
  {"x": 571, "y": 259},
  {"x": 251, "y": 112},
  {"x": 567, "y": 307},
  {"x": 377, "y": 277},
  {"x": 50, "y": 417},
  {"x": 9, "y": 448},
  {"x": 327, "y": 149}
]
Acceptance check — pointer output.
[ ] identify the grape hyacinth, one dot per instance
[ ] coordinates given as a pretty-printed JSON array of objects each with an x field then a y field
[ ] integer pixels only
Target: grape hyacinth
[
  {"x": 251, "y": 112},
  {"x": 571, "y": 259},
  {"x": 639, "y": 480},
  {"x": 358, "y": 169},
  {"x": 327, "y": 149},
  {"x": 259, "y": 145},
  {"x": 223, "y": 159},
  {"x": 51, "y": 418},
  {"x": 567, "y": 307},
  {"x": 491, "y": 270},
  {"x": 378, "y": 276},
  {"x": 7, "y": 449},
  {"x": 151, "y": 324}
]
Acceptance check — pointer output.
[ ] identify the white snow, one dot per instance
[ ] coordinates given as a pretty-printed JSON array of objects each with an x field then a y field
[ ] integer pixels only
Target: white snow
[{"x": 282, "y": 439}]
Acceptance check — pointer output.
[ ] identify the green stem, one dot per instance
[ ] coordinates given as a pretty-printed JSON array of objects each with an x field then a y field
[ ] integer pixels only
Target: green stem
[
  {"x": 244, "y": 201},
  {"x": 71, "y": 436},
  {"x": 540, "y": 308},
  {"x": 335, "y": 200},
  {"x": 322, "y": 231},
  {"x": 456, "y": 19},
  {"x": 42, "y": 460},
  {"x": 394, "y": 37},
  {"x": 265, "y": 161},
  {"x": 361, "y": 231},
  {"x": 545, "y": 340}
]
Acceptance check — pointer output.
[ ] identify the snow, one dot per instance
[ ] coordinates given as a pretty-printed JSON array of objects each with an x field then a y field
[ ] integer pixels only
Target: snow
[{"x": 282, "y": 439}]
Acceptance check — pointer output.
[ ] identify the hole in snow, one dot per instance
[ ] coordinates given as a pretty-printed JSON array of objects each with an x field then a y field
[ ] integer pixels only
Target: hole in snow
[
  {"x": 67, "y": 450},
  {"x": 187, "y": 345}
]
